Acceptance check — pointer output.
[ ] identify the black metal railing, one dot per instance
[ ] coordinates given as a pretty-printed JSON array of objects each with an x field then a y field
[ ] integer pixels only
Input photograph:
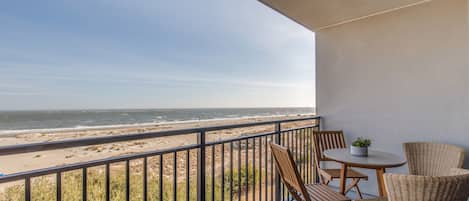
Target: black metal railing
[{"x": 239, "y": 168}]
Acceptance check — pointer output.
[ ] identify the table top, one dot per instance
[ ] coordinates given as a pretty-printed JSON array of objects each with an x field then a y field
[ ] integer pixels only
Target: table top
[{"x": 375, "y": 159}]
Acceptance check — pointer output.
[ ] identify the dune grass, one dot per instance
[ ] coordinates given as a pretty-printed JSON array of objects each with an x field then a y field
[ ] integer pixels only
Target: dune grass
[{"x": 44, "y": 188}]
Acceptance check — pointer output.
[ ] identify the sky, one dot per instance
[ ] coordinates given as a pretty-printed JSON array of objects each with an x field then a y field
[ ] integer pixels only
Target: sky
[{"x": 104, "y": 54}]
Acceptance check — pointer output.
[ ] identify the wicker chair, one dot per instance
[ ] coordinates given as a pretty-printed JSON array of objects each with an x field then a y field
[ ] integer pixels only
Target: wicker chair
[
  {"x": 430, "y": 159},
  {"x": 426, "y": 188},
  {"x": 324, "y": 140},
  {"x": 458, "y": 171},
  {"x": 287, "y": 169}
]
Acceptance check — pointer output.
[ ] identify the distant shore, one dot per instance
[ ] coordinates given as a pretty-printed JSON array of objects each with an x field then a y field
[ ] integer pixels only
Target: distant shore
[
  {"x": 10, "y": 133},
  {"x": 23, "y": 162}
]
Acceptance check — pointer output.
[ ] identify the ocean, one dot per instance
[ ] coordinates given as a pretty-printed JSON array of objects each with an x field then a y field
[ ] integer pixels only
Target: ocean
[{"x": 29, "y": 121}]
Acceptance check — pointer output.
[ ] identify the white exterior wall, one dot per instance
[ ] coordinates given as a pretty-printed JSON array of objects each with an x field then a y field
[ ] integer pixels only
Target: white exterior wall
[{"x": 398, "y": 77}]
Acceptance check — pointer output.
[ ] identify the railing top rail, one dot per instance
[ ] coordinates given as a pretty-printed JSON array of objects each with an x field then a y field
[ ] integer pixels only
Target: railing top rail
[
  {"x": 75, "y": 166},
  {"x": 46, "y": 146}
]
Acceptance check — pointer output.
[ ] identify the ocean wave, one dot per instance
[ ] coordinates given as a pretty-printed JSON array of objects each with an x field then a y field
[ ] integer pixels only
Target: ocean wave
[{"x": 130, "y": 125}]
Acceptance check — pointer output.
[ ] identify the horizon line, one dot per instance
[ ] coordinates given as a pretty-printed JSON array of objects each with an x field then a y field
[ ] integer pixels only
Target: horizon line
[{"x": 160, "y": 108}]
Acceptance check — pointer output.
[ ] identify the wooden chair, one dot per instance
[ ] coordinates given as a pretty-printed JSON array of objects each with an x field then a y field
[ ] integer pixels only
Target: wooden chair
[
  {"x": 431, "y": 159},
  {"x": 292, "y": 180},
  {"x": 324, "y": 140}
]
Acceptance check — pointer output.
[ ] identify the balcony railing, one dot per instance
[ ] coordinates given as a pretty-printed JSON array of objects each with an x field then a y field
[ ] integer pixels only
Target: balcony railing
[{"x": 239, "y": 168}]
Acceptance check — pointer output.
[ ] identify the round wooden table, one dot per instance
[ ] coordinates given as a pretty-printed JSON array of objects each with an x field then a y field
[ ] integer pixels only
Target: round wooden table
[{"x": 376, "y": 160}]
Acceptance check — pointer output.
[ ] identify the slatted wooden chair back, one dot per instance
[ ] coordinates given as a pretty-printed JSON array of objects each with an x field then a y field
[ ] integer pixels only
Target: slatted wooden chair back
[
  {"x": 324, "y": 140},
  {"x": 288, "y": 172}
]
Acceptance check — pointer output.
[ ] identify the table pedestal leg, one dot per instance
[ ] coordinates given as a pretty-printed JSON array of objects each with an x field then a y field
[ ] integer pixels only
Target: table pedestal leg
[
  {"x": 381, "y": 187},
  {"x": 343, "y": 179}
]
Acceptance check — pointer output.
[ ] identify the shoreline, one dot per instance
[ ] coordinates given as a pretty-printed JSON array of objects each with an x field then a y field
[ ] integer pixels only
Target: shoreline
[{"x": 14, "y": 133}]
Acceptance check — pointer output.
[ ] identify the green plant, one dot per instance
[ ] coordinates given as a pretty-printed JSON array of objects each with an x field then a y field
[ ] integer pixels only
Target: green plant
[
  {"x": 361, "y": 142},
  {"x": 247, "y": 179},
  {"x": 44, "y": 189}
]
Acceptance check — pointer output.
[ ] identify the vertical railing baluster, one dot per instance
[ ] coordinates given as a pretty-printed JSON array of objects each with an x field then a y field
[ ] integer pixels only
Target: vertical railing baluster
[
  {"x": 301, "y": 162},
  {"x": 127, "y": 180},
  {"x": 266, "y": 184},
  {"x": 145, "y": 181},
  {"x": 291, "y": 143},
  {"x": 239, "y": 170},
  {"x": 254, "y": 169},
  {"x": 282, "y": 142},
  {"x": 260, "y": 168},
  {"x": 272, "y": 185},
  {"x": 311, "y": 157},
  {"x": 308, "y": 165},
  {"x": 231, "y": 171},
  {"x": 296, "y": 149},
  {"x": 84, "y": 184},
  {"x": 188, "y": 180},
  {"x": 201, "y": 167},
  {"x": 175, "y": 174},
  {"x": 305, "y": 161},
  {"x": 58, "y": 186},
  {"x": 27, "y": 189},
  {"x": 213, "y": 172},
  {"x": 306, "y": 144},
  {"x": 287, "y": 192},
  {"x": 290, "y": 138},
  {"x": 222, "y": 172},
  {"x": 290, "y": 133},
  {"x": 277, "y": 176},
  {"x": 302, "y": 144},
  {"x": 311, "y": 153},
  {"x": 316, "y": 173},
  {"x": 161, "y": 169},
  {"x": 246, "y": 165},
  {"x": 108, "y": 182}
]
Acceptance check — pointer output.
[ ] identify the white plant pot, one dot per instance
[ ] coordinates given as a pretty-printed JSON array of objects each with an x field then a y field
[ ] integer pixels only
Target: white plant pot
[{"x": 359, "y": 151}]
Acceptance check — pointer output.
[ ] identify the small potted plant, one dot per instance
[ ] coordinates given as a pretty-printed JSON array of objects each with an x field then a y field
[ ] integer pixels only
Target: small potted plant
[{"x": 360, "y": 147}]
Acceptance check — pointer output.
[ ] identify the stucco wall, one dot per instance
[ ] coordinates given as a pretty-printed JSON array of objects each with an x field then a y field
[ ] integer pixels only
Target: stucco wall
[{"x": 398, "y": 77}]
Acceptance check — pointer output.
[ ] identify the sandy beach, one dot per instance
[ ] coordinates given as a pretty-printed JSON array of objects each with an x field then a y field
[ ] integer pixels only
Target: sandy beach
[{"x": 23, "y": 162}]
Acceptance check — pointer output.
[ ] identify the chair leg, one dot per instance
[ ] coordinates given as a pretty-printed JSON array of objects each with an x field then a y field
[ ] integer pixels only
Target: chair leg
[
  {"x": 321, "y": 179},
  {"x": 354, "y": 184},
  {"x": 324, "y": 180},
  {"x": 358, "y": 192}
]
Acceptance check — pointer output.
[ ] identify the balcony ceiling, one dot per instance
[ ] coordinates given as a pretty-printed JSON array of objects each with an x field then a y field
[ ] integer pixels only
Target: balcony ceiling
[{"x": 319, "y": 14}]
